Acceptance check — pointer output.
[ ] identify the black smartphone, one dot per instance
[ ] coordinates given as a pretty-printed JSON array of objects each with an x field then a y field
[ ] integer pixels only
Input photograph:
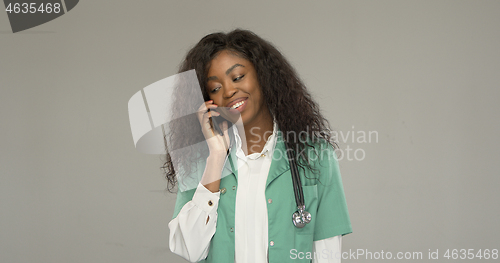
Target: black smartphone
[{"x": 215, "y": 120}]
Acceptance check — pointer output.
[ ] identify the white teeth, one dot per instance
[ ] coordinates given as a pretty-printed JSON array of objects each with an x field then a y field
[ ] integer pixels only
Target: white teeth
[{"x": 237, "y": 105}]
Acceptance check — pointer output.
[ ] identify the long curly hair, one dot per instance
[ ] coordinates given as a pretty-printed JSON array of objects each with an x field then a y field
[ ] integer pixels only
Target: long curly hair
[{"x": 285, "y": 95}]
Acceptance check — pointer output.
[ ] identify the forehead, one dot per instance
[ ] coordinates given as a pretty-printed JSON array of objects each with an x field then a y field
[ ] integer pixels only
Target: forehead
[{"x": 225, "y": 60}]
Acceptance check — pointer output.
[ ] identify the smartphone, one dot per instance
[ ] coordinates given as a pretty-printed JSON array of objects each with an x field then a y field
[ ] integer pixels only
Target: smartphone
[{"x": 215, "y": 120}]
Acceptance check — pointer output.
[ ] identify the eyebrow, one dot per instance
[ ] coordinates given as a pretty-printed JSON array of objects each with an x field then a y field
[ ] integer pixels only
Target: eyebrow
[{"x": 227, "y": 71}]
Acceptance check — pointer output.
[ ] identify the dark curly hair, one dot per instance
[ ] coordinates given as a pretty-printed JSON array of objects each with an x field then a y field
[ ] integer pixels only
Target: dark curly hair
[{"x": 285, "y": 95}]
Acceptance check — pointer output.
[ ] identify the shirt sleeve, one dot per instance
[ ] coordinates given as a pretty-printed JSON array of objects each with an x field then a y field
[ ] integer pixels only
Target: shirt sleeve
[
  {"x": 329, "y": 250},
  {"x": 332, "y": 217},
  {"x": 190, "y": 233}
]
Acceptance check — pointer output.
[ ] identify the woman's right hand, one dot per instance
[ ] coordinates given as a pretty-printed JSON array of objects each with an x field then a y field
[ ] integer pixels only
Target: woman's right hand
[{"x": 217, "y": 143}]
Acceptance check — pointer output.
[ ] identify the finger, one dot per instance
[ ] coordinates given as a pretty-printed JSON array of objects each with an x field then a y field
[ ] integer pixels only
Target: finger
[
  {"x": 205, "y": 119},
  {"x": 205, "y": 104},
  {"x": 212, "y": 106},
  {"x": 210, "y": 103},
  {"x": 210, "y": 110},
  {"x": 202, "y": 112},
  {"x": 208, "y": 114},
  {"x": 207, "y": 108}
]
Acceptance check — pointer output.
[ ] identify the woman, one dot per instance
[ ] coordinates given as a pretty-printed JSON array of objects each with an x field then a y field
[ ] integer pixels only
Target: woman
[{"x": 246, "y": 215}]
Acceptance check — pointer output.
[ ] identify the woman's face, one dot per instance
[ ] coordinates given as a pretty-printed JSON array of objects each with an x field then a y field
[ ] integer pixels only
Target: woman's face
[{"x": 232, "y": 82}]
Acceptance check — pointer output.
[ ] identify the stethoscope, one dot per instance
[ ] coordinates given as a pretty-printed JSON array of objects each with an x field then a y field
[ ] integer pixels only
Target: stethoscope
[{"x": 300, "y": 217}]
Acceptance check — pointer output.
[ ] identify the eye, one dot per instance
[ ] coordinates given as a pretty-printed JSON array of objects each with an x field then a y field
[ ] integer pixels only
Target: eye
[
  {"x": 238, "y": 78},
  {"x": 215, "y": 90}
]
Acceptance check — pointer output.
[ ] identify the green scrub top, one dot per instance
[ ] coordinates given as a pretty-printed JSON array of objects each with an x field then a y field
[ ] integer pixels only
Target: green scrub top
[{"x": 324, "y": 199}]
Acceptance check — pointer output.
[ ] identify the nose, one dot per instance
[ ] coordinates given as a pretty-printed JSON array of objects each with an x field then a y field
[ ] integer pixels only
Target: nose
[{"x": 229, "y": 90}]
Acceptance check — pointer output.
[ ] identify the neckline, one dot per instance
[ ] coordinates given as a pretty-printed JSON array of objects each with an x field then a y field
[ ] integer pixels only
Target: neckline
[{"x": 268, "y": 148}]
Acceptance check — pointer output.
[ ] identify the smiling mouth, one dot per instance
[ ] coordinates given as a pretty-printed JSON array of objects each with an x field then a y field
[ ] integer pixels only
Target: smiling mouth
[{"x": 237, "y": 105}]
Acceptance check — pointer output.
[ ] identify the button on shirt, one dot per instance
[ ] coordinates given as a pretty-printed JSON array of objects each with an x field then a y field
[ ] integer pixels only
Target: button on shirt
[{"x": 251, "y": 204}]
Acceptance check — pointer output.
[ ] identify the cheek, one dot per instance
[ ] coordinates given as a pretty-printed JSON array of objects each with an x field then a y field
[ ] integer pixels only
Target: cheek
[
  {"x": 259, "y": 97},
  {"x": 215, "y": 98}
]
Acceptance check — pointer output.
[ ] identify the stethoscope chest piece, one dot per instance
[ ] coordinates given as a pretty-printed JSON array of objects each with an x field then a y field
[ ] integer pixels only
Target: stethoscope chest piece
[{"x": 301, "y": 217}]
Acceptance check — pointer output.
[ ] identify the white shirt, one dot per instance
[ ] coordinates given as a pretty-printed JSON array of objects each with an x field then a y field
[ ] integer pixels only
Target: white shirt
[{"x": 190, "y": 233}]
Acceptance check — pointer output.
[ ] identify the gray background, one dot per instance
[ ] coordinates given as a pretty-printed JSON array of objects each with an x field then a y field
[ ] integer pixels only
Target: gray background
[{"x": 423, "y": 74}]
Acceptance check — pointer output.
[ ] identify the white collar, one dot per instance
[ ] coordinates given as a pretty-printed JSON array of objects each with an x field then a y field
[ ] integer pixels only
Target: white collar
[{"x": 266, "y": 151}]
